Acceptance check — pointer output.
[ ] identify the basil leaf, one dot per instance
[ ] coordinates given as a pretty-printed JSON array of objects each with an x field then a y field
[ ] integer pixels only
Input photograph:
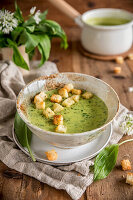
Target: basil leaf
[
  {"x": 23, "y": 134},
  {"x": 105, "y": 161},
  {"x": 17, "y": 57}
]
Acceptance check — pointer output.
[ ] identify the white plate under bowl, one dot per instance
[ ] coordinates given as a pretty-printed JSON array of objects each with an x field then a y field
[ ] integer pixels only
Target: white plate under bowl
[{"x": 67, "y": 156}]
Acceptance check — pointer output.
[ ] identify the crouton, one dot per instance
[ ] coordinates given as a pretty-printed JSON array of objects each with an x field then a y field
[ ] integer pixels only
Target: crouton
[
  {"x": 75, "y": 91},
  {"x": 56, "y": 98},
  {"x": 75, "y": 98},
  {"x": 130, "y": 56},
  {"x": 58, "y": 119},
  {"x": 126, "y": 165},
  {"x": 40, "y": 105},
  {"x": 117, "y": 70},
  {"x": 43, "y": 95},
  {"x": 129, "y": 178},
  {"x": 48, "y": 113},
  {"x": 37, "y": 98},
  {"x": 119, "y": 60},
  {"x": 68, "y": 102},
  {"x": 57, "y": 107},
  {"x": 69, "y": 87},
  {"x": 61, "y": 129},
  {"x": 87, "y": 95},
  {"x": 63, "y": 92},
  {"x": 51, "y": 155}
]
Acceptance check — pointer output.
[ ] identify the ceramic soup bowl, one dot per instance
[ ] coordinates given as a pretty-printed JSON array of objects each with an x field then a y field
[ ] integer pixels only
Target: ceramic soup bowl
[{"x": 81, "y": 81}]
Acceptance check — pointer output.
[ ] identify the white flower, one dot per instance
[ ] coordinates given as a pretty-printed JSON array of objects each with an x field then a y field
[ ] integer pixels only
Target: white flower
[
  {"x": 7, "y": 21},
  {"x": 36, "y": 17},
  {"x": 127, "y": 125},
  {"x": 32, "y": 10}
]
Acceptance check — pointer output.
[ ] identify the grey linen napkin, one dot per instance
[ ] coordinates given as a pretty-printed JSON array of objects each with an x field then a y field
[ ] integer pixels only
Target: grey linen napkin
[{"x": 65, "y": 177}]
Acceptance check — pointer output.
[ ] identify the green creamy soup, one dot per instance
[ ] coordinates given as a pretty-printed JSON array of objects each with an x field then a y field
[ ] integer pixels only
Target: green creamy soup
[
  {"x": 106, "y": 21},
  {"x": 86, "y": 115}
]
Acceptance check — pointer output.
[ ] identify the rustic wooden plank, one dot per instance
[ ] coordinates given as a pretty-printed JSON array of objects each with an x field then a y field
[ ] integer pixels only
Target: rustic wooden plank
[
  {"x": 33, "y": 189},
  {"x": 114, "y": 186},
  {"x": 9, "y": 187}
]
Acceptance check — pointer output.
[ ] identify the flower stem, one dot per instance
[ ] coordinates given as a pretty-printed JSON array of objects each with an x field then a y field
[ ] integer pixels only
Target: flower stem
[{"x": 125, "y": 141}]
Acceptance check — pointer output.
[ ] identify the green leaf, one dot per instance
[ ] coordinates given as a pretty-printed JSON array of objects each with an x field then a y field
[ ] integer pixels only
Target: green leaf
[
  {"x": 42, "y": 16},
  {"x": 18, "y": 13},
  {"x": 30, "y": 54},
  {"x": 41, "y": 41},
  {"x": 3, "y": 41},
  {"x": 17, "y": 57},
  {"x": 16, "y": 33},
  {"x": 44, "y": 48},
  {"x": 22, "y": 38},
  {"x": 30, "y": 22},
  {"x": 105, "y": 161},
  {"x": 57, "y": 31},
  {"x": 32, "y": 42},
  {"x": 30, "y": 29},
  {"x": 23, "y": 134}
]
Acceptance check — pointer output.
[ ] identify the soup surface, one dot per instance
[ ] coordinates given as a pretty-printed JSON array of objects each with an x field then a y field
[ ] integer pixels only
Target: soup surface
[
  {"x": 85, "y": 115},
  {"x": 106, "y": 21}
]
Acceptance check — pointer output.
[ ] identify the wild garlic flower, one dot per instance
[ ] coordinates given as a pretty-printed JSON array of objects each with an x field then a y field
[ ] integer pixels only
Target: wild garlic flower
[
  {"x": 127, "y": 125},
  {"x": 36, "y": 17},
  {"x": 32, "y": 10},
  {"x": 7, "y": 21}
]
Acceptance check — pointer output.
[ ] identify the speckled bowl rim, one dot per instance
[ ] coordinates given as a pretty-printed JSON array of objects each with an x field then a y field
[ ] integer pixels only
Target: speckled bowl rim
[{"x": 63, "y": 134}]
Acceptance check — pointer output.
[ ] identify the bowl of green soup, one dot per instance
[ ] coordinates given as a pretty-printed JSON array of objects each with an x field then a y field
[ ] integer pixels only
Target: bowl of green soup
[
  {"x": 67, "y": 109},
  {"x": 107, "y": 31}
]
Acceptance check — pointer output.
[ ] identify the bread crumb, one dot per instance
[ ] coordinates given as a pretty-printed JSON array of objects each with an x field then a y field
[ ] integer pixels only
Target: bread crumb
[
  {"x": 51, "y": 155},
  {"x": 130, "y": 56},
  {"x": 58, "y": 119},
  {"x": 63, "y": 92},
  {"x": 126, "y": 165},
  {"x": 69, "y": 87},
  {"x": 87, "y": 95},
  {"x": 56, "y": 98},
  {"x": 129, "y": 178},
  {"x": 61, "y": 129},
  {"x": 119, "y": 60},
  {"x": 76, "y": 91},
  {"x": 117, "y": 70}
]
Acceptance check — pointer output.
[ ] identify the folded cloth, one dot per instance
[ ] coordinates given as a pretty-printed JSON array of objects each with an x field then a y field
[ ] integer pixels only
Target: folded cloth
[{"x": 65, "y": 177}]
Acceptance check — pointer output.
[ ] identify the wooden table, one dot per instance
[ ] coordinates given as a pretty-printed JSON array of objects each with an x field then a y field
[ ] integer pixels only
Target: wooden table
[{"x": 114, "y": 186}]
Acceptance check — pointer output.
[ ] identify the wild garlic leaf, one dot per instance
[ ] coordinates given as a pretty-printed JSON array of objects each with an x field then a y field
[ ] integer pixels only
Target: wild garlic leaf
[
  {"x": 105, "y": 161},
  {"x": 42, "y": 16},
  {"x": 32, "y": 42},
  {"x": 44, "y": 47},
  {"x": 17, "y": 57},
  {"x": 57, "y": 31},
  {"x": 18, "y": 13},
  {"x": 16, "y": 33},
  {"x": 23, "y": 134}
]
